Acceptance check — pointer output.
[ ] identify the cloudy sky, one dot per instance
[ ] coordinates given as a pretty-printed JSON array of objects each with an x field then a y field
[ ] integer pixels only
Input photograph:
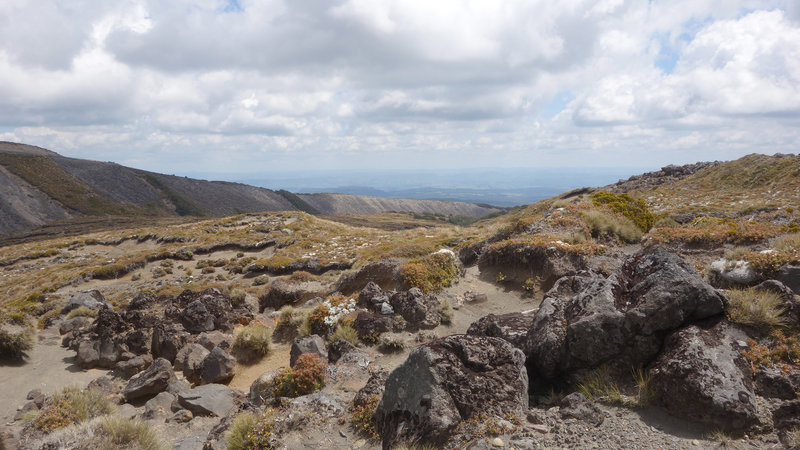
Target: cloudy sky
[{"x": 184, "y": 86}]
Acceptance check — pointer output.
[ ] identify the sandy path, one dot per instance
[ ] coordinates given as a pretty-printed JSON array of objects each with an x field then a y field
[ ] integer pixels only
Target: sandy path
[{"x": 49, "y": 367}]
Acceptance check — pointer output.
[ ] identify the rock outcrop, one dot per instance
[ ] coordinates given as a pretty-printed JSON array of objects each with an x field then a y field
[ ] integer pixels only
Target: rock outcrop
[
  {"x": 587, "y": 320},
  {"x": 447, "y": 381}
]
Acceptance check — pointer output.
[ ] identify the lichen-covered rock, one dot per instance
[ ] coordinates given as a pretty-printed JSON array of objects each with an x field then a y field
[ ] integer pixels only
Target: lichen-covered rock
[
  {"x": 91, "y": 299},
  {"x": 726, "y": 274},
  {"x": 310, "y": 344},
  {"x": 702, "y": 376},
  {"x": 151, "y": 381},
  {"x": 512, "y": 327},
  {"x": 418, "y": 309},
  {"x": 587, "y": 320},
  {"x": 447, "y": 381}
]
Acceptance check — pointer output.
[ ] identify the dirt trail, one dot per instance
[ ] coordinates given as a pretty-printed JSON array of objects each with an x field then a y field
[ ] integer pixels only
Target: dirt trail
[{"x": 49, "y": 367}]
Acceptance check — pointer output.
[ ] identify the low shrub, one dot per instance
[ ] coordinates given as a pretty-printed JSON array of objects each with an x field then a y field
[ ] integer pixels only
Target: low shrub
[
  {"x": 307, "y": 376},
  {"x": 430, "y": 273},
  {"x": 362, "y": 415},
  {"x": 260, "y": 280},
  {"x": 237, "y": 297},
  {"x": 780, "y": 350},
  {"x": 82, "y": 311},
  {"x": 391, "y": 343},
  {"x": 288, "y": 323},
  {"x": 346, "y": 332},
  {"x": 301, "y": 276},
  {"x": 71, "y": 405},
  {"x": 634, "y": 209},
  {"x": 250, "y": 431},
  {"x": 756, "y": 308},
  {"x": 253, "y": 341},
  {"x": 314, "y": 322},
  {"x": 15, "y": 345}
]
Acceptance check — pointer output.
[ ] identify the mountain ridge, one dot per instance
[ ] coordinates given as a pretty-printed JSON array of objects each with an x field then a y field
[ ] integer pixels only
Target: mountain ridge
[{"x": 42, "y": 187}]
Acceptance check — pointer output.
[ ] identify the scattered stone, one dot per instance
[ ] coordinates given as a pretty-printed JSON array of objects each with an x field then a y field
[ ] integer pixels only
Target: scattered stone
[
  {"x": 449, "y": 380},
  {"x": 497, "y": 442},
  {"x": 181, "y": 416},
  {"x": 103, "y": 385},
  {"x": 151, "y": 381},
  {"x": 217, "y": 366},
  {"x": 208, "y": 399},
  {"x": 262, "y": 390},
  {"x": 132, "y": 366},
  {"x": 475, "y": 297},
  {"x": 311, "y": 344},
  {"x": 160, "y": 405},
  {"x": 24, "y": 410},
  {"x": 576, "y": 406},
  {"x": 127, "y": 411}
]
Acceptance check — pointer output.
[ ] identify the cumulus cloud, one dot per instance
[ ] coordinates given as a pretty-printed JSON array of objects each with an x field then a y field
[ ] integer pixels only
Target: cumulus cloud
[{"x": 412, "y": 82}]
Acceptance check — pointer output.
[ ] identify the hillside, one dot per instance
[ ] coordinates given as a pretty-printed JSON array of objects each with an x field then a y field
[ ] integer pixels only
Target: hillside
[
  {"x": 41, "y": 187},
  {"x": 594, "y": 318}
]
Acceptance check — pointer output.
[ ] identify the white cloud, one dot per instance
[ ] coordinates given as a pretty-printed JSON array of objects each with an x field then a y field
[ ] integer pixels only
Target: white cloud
[{"x": 357, "y": 82}]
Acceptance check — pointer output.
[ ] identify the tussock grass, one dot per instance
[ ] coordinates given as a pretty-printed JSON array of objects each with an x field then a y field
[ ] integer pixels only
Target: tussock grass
[
  {"x": 253, "y": 341},
  {"x": 757, "y": 308},
  {"x": 119, "y": 432},
  {"x": 346, "y": 332},
  {"x": 602, "y": 224},
  {"x": 15, "y": 345},
  {"x": 251, "y": 431},
  {"x": 69, "y": 406},
  {"x": 82, "y": 311},
  {"x": 430, "y": 273}
]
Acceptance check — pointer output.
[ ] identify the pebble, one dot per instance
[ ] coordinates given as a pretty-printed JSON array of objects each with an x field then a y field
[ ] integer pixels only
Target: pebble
[{"x": 497, "y": 442}]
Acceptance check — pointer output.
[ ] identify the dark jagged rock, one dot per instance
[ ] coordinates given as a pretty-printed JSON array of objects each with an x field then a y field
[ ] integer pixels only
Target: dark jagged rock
[
  {"x": 217, "y": 306},
  {"x": 512, "y": 327},
  {"x": 132, "y": 366},
  {"x": 142, "y": 301},
  {"x": 418, "y": 309},
  {"x": 789, "y": 274},
  {"x": 447, "y": 381},
  {"x": 109, "y": 324},
  {"x": 587, "y": 320},
  {"x": 311, "y": 344},
  {"x": 217, "y": 366},
  {"x": 168, "y": 341},
  {"x": 787, "y": 415},
  {"x": 196, "y": 318},
  {"x": 371, "y": 292},
  {"x": 139, "y": 341},
  {"x": 212, "y": 339},
  {"x": 369, "y": 325},
  {"x": 151, "y": 381},
  {"x": 772, "y": 383},
  {"x": 702, "y": 376}
]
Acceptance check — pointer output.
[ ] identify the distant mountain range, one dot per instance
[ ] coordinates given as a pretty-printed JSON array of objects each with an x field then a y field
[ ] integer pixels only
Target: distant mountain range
[{"x": 40, "y": 187}]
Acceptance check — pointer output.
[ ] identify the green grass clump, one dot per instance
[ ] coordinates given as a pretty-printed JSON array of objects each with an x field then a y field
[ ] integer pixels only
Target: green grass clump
[
  {"x": 446, "y": 311},
  {"x": 346, "y": 332},
  {"x": 634, "y": 209},
  {"x": 602, "y": 224},
  {"x": 599, "y": 385},
  {"x": 307, "y": 376},
  {"x": 253, "y": 341},
  {"x": 756, "y": 308},
  {"x": 15, "y": 345},
  {"x": 250, "y": 431},
  {"x": 237, "y": 296},
  {"x": 71, "y": 405},
  {"x": 82, "y": 311},
  {"x": 430, "y": 273},
  {"x": 119, "y": 432}
]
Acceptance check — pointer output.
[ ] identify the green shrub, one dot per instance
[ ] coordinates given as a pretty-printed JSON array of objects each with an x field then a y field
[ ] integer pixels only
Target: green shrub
[
  {"x": 757, "y": 308},
  {"x": 430, "y": 273},
  {"x": 71, "y": 405},
  {"x": 253, "y": 341},
  {"x": 314, "y": 322},
  {"x": 120, "y": 432},
  {"x": 260, "y": 280},
  {"x": 346, "y": 332},
  {"x": 301, "y": 276},
  {"x": 307, "y": 376},
  {"x": 601, "y": 224},
  {"x": 15, "y": 345},
  {"x": 634, "y": 209},
  {"x": 82, "y": 311},
  {"x": 249, "y": 431}
]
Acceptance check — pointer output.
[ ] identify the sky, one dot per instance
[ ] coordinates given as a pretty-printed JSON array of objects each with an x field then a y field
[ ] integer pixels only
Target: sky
[{"x": 186, "y": 86}]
